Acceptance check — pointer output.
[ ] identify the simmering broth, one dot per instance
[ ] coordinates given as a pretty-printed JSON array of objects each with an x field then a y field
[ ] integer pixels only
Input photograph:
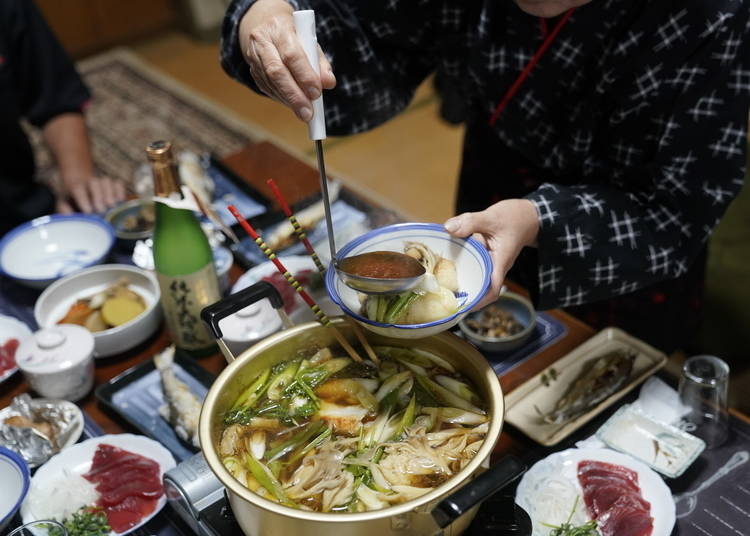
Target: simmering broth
[{"x": 323, "y": 433}]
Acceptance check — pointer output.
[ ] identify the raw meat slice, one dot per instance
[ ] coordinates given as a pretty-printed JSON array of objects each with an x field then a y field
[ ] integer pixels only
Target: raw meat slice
[
  {"x": 599, "y": 498},
  {"x": 129, "y": 485},
  {"x": 626, "y": 517},
  {"x": 594, "y": 468},
  {"x": 611, "y": 480},
  {"x": 614, "y": 499},
  {"x": 129, "y": 512}
]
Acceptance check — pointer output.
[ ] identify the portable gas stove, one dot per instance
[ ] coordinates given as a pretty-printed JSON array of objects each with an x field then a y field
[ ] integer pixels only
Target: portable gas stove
[{"x": 199, "y": 498}]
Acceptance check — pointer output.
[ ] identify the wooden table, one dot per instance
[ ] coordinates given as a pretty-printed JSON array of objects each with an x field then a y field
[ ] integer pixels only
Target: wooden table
[{"x": 298, "y": 180}]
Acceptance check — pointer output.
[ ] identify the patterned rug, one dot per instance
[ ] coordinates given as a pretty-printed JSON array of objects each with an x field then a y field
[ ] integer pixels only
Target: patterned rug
[{"x": 134, "y": 104}]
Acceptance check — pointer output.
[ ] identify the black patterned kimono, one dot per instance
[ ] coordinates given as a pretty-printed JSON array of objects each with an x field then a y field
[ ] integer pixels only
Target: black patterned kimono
[{"x": 629, "y": 135}]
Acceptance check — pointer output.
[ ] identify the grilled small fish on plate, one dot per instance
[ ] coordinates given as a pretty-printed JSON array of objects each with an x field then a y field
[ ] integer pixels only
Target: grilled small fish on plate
[
  {"x": 599, "y": 378},
  {"x": 182, "y": 409}
]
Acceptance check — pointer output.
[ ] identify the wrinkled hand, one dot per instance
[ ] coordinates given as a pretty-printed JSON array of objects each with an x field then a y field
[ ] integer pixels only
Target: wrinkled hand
[
  {"x": 92, "y": 194},
  {"x": 504, "y": 229},
  {"x": 277, "y": 61}
]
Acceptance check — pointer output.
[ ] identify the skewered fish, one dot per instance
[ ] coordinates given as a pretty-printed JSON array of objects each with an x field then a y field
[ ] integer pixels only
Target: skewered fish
[
  {"x": 182, "y": 409},
  {"x": 599, "y": 378}
]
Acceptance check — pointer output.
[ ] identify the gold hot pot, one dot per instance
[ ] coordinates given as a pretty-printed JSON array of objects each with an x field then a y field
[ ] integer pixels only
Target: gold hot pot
[{"x": 448, "y": 508}]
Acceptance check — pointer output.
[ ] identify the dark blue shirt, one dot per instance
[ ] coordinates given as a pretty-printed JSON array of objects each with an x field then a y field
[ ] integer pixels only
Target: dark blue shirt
[
  {"x": 37, "y": 82},
  {"x": 629, "y": 136}
]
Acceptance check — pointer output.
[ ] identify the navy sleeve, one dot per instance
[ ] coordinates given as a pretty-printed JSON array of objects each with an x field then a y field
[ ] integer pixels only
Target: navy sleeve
[
  {"x": 379, "y": 53},
  {"x": 47, "y": 83},
  {"x": 596, "y": 240}
]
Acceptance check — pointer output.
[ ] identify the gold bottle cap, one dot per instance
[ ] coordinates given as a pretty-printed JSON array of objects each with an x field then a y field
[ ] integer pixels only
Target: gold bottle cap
[{"x": 166, "y": 178}]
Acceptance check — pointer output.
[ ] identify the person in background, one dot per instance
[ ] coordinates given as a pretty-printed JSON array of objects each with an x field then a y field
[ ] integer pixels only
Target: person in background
[
  {"x": 604, "y": 138},
  {"x": 39, "y": 83}
]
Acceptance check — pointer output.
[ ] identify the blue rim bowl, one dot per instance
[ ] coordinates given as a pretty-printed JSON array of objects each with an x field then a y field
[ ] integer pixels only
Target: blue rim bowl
[
  {"x": 36, "y": 225},
  {"x": 25, "y": 476},
  {"x": 412, "y": 231}
]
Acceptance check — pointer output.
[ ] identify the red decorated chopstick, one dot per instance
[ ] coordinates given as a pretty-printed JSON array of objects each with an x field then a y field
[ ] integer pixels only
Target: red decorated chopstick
[{"x": 268, "y": 252}]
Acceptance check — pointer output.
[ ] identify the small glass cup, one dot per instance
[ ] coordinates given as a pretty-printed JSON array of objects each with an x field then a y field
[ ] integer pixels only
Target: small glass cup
[
  {"x": 703, "y": 389},
  {"x": 46, "y": 527}
]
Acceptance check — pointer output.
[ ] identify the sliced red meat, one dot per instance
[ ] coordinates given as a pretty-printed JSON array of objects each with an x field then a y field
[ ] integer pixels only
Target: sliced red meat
[
  {"x": 610, "y": 480},
  {"x": 129, "y": 512},
  {"x": 148, "y": 489},
  {"x": 626, "y": 517},
  {"x": 109, "y": 458},
  {"x": 112, "y": 479},
  {"x": 594, "y": 468},
  {"x": 8, "y": 354},
  {"x": 614, "y": 499},
  {"x": 129, "y": 485},
  {"x": 599, "y": 498}
]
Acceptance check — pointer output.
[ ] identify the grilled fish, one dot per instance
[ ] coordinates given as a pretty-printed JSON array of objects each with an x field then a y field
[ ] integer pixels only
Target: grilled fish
[
  {"x": 182, "y": 409},
  {"x": 599, "y": 378}
]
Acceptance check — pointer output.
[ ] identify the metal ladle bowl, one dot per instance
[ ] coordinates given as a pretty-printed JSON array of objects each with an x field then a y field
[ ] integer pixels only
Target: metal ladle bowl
[{"x": 379, "y": 285}]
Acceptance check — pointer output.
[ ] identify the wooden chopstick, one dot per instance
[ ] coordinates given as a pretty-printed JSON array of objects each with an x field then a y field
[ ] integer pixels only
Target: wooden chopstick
[
  {"x": 311, "y": 250},
  {"x": 268, "y": 252}
]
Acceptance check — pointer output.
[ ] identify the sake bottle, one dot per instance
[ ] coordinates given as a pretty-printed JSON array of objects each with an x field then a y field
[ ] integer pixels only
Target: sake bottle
[{"x": 183, "y": 259}]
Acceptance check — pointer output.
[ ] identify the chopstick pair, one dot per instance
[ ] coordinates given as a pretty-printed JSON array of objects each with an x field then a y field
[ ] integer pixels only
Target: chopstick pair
[
  {"x": 271, "y": 255},
  {"x": 319, "y": 265}
]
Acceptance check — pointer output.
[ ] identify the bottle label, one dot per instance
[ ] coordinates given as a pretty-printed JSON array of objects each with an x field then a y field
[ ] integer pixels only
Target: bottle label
[
  {"x": 182, "y": 298},
  {"x": 187, "y": 201}
]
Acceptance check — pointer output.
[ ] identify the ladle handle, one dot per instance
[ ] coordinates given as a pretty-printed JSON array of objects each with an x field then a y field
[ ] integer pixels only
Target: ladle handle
[
  {"x": 477, "y": 490},
  {"x": 304, "y": 23},
  {"x": 214, "y": 313}
]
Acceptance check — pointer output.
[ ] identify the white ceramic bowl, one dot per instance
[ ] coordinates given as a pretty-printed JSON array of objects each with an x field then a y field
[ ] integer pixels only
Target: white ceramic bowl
[
  {"x": 55, "y": 301},
  {"x": 40, "y": 251},
  {"x": 473, "y": 268},
  {"x": 11, "y": 328},
  {"x": 14, "y": 475}
]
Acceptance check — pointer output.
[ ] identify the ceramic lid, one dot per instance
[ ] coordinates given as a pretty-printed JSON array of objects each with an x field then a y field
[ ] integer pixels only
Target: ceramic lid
[
  {"x": 251, "y": 323},
  {"x": 55, "y": 348}
]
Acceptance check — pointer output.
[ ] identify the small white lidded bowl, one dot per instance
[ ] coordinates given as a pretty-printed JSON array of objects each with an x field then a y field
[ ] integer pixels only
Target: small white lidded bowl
[
  {"x": 249, "y": 325},
  {"x": 58, "y": 362},
  {"x": 473, "y": 269}
]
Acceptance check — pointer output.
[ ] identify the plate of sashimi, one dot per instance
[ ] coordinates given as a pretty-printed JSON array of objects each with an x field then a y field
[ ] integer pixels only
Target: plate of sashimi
[
  {"x": 598, "y": 492},
  {"x": 110, "y": 484}
]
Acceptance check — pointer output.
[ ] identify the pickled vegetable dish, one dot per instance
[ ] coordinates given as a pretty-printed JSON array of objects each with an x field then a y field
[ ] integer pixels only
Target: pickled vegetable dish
[{"x": 326, "y": 434}]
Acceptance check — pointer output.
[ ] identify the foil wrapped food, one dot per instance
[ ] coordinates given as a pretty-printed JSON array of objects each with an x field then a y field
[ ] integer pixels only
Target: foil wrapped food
[{"x": 38, "y": 428}]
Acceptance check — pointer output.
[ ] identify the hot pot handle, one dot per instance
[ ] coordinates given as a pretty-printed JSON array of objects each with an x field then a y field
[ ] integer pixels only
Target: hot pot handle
[
  {"x": 214, "y": 313},
  {"x": 482, "y": 487}
]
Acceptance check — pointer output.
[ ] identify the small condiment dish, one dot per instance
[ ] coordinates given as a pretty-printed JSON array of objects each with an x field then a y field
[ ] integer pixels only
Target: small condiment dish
[
  {"x": 42, "y": 250},
  {"x": 521, "y": 309},
  {"x": 473, "y": 269},
  {"x": 56, "y": 300},
  {"x": 132, "y": 220}
]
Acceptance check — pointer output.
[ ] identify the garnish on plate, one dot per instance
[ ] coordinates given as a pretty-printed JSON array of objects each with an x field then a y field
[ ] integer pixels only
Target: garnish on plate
[
  {"x": 568, "y": 529},
  {"x": 87, "y": 521}
]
